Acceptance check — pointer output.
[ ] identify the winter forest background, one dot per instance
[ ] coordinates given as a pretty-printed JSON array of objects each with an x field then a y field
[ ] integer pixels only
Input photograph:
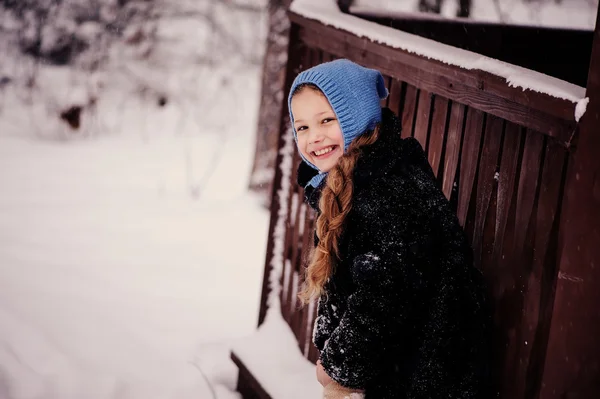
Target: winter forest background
[{"x": 131, "y": 250}]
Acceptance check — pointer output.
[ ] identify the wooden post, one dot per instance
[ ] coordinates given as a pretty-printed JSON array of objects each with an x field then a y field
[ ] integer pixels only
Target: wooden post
[
  {"x": 294, "y": 55},
  {"x": 572, "y": 364}
]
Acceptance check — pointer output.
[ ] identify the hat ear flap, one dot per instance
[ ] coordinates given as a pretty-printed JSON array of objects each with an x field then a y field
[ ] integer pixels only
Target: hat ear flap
[{"x": 382, "y": 91}]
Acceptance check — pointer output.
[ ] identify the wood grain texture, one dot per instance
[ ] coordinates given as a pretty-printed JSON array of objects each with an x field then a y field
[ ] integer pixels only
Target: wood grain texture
[
  {"x": 437, "y": 134},
  {"x": 395, "y": 96},
  {"x": 421, "y": 131},
  {"x": 453, "y": 145},
  {"x": 469, "y": 160},
  {"x": 409, "y": 107},
  {"x": 486, "y": 182}
]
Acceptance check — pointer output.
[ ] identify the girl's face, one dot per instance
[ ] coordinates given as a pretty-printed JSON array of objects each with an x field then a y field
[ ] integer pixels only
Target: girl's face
[{"x": 319, "y": 134}]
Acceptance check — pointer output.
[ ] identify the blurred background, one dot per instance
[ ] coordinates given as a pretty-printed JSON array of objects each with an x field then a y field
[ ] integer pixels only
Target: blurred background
[{"x": 137, "y": 147}]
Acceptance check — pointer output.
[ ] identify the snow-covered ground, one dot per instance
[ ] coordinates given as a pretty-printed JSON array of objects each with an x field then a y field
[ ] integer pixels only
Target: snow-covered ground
[
  {"x": 115, "y": 280},
  {"x": 131, "y": 252}
]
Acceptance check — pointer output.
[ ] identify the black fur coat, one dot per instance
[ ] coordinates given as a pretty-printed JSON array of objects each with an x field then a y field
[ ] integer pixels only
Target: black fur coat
[{"x": 405, "y": 315}]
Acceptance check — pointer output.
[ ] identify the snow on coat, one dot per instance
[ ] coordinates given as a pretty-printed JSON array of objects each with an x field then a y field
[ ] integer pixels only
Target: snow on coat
[{"x": 405, "y": 313}]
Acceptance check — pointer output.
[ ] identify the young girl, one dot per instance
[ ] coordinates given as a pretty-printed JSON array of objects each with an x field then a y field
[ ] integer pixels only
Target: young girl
[{"x": 402, "y": 310}]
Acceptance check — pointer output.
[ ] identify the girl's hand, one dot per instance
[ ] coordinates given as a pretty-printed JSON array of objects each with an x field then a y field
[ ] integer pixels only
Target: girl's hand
[{"x": 323, "y": 378}]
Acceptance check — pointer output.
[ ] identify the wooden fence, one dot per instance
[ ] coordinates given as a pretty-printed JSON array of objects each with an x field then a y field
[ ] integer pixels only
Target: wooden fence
[{"x": 501, "y": 155}]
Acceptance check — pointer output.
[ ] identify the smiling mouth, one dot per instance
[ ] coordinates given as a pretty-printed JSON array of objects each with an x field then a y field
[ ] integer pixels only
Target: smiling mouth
[{"x": 324, "y": 152}]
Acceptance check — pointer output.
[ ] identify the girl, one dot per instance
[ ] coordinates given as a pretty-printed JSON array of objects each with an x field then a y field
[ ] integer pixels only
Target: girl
[{"x": 402, "y": 310}]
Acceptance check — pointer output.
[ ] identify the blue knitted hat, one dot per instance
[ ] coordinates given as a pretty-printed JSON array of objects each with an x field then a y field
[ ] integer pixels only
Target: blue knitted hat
[{"x": 354, "y": 93}]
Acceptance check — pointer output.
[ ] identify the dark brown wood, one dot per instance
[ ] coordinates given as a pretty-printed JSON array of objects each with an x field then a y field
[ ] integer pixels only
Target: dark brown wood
[
  {"x": 395, "y": 96},
  {"x": 247, "y": 384},
  {"x": 453, "y": 144},
  {"x": 477, "y": 89},
  {"x": 528, "y": 182},
  {"x": 504, "y": 270},
  {"x": 388, "y": 83},
  {"x": 572, "y": 364},
  {"x": 422, "y": 118},
  {"x": 506, "y": 183},
  {"x": 523, "y": 252},
  {"x": 487, "y": 181},
  {"x": 533, "y": 47},
  {"x": 437, "y": 134},
  {"x": 290, "y": 246},
  {"x": 408, "y": 111},
  {"x": 469, "y": 161},
  {"x": 294, "y": 55},
  {"x": 539, "y": 294}
]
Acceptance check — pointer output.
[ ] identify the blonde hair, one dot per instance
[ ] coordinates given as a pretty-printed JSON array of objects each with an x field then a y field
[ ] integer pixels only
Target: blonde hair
[{"x": 335, "y": 204}]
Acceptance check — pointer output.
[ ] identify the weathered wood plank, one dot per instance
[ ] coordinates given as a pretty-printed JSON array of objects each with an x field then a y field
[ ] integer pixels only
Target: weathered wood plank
[
  {"x": 506, "y": 182},
  {"x": 422, "y": 118},
  {"x": 469, "y": 161},
  {"x": 523, "y": 251},
  {"x": 395, "y": 96},
  {"x": 388, "y": 84},
  {"x": 528, "y": 182},
  {"x": 533, "y": 47},
  {"x": 539, "y": 297},
  {"x": 453, "y": 145},
  {"x": 408, "y": 111},
  {"x": 487, "y": 181},
  {"x": 437, "y": 134}
]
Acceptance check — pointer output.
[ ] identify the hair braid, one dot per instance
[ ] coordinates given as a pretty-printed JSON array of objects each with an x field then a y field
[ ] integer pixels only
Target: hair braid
[{"x": 335, "y": 204}]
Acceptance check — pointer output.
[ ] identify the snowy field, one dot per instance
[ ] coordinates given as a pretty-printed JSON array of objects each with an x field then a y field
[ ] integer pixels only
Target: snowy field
[
  {"x": 131, "y": 252},
  {"x": 130, "y": 259},
  {"x": 115, "y": 281}
]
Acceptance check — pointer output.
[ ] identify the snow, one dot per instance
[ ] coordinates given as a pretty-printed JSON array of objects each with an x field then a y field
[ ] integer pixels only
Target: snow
[
  {"x": 273, "y": 349},
  {"x": 327, "y": 13},
  {"x": 581, "y": 108},
  {"x": 131, "y": 252},
  {"x": 278, "y": 238},
  {"x": 272, "y": 352},
  {"x": 112, "y": 276}
]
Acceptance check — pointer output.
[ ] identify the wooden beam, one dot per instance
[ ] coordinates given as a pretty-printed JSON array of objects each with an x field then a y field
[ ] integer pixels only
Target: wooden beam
[
  {"x": 558, "y": 52},
  {"x": 572, "y": 364},
  {"x": 475, "y": 88}
]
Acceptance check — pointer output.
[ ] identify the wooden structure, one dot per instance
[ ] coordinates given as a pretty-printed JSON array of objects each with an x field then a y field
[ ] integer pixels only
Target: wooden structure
[{"x": 524, "y": 178}]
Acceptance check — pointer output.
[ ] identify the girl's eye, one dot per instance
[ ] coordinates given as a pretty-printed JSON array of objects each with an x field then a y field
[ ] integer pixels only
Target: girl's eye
[
  {"x": 326, "y": 120},
  {"x": 300, "y": 128}
]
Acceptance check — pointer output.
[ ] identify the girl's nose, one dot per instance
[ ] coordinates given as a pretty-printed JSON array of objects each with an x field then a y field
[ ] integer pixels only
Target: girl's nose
[{"x": 316, "y": 136}]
